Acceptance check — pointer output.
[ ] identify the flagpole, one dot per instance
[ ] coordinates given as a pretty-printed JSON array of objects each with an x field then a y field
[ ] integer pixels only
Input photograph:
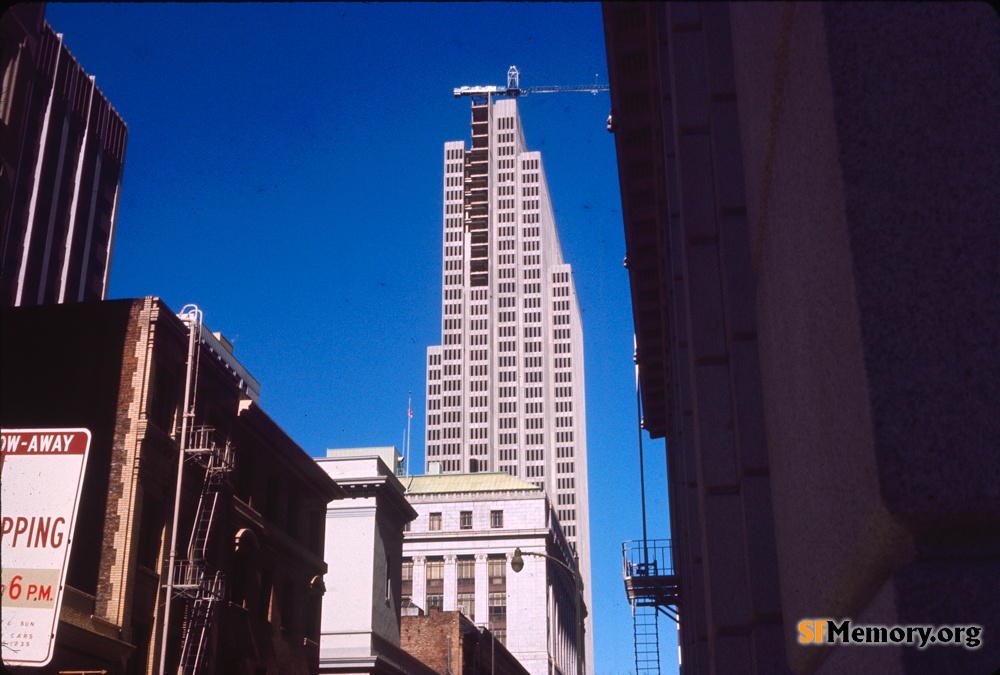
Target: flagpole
[
  {"x": 402, "y": 449},
  {"x": 409, "y": 422}
]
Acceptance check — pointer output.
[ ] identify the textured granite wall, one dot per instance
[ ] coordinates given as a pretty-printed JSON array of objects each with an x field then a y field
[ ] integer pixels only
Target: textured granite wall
[{"x": 871, "y": 155}]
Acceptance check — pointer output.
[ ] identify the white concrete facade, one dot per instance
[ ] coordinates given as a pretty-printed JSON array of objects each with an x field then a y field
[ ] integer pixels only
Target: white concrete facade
[
  {"x": 360, "y": 624},
  {"x": 471, "y": 525},
  {"x": 505, "y": 389}
]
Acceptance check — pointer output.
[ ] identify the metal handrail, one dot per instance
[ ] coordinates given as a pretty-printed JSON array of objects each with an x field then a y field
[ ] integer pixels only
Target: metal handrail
[{"x": 652, "y": 557}]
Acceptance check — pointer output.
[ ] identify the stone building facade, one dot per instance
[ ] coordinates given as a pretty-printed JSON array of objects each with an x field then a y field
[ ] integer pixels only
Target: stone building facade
[
  {"x": 457, "y": 553},
  {"x": 360, "y": 630},
  {"x": 810, "y": 201}
]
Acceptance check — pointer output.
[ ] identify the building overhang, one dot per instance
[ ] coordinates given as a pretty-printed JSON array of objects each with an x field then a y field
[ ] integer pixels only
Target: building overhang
[
  {"x": 384, "y": 489},
  {"x": 637, "y": 125}
]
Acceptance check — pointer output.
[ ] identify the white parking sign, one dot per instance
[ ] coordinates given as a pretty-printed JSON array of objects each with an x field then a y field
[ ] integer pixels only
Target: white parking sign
[{"x": 41, "y": 475}]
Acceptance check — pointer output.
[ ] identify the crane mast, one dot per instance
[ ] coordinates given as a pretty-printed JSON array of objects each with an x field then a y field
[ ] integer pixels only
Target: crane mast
[{"x": 514, "y": 89}]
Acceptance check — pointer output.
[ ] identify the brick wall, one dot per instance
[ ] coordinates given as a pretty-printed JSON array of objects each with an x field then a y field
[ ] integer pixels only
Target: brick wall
[
  {"x": 121, "y": 506},
  {"x": 427, "y": 639}
]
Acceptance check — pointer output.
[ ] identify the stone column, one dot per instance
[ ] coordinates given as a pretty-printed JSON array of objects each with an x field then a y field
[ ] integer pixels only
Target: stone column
[
  {"x": 419, "y": 596},
  {"x": 450, "y": 583},
  {"x": 482, "y": 589}
]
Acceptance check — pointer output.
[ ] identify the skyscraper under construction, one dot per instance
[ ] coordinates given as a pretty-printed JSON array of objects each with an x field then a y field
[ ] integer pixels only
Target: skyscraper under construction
[{"x": 505, "y": 388}]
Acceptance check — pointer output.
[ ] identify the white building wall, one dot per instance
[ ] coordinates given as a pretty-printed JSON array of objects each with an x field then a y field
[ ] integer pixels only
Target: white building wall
[
  {"x": 347, "y": 610},
  {"x": 533, "y": 632},
  {"x": 528, "y": 635},
  {"x": 363, "y": 552}
]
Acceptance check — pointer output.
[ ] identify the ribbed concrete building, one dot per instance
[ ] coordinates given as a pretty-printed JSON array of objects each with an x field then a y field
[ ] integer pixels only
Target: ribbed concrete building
[
  {"x": 505, "y": 389},
  {"x": 62, "y": 157}
]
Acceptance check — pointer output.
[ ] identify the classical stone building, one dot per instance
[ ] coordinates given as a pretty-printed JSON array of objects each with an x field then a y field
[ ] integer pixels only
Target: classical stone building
[
  {"x": 810, "y": 196},
  {"x": 457, "y": 554},
  {"x": 118, "y": 368}
]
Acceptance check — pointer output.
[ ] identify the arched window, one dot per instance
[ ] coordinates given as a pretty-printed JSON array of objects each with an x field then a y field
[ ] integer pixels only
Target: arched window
[{"x": 244, "y": 588}]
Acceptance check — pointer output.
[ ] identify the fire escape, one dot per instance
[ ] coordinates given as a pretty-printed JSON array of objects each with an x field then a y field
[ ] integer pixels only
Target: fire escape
[
  {"x": 651, "y": 588},
  {"x": 650, "y": 583},
  {"x": 202, "y": 586},
  {"x": 193, "y": 578}
]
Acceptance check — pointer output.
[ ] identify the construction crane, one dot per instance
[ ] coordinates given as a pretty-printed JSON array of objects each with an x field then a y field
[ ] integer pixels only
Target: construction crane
[{"x": 514, "y": 89}]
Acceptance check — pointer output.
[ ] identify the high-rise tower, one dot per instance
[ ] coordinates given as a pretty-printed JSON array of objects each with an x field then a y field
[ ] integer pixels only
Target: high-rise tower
[
  {"x": 505, "y": 389},
  {"x": 62, "y": 155}
]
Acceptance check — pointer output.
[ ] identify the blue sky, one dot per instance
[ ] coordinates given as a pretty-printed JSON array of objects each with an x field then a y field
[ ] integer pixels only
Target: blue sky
[{"x": 283, "y": 172}]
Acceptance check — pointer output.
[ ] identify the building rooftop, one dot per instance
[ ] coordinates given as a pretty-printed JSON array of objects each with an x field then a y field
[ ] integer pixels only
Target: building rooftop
[
  {"x": 387, "y": 454},
  {"x": 466, "y": 482}
]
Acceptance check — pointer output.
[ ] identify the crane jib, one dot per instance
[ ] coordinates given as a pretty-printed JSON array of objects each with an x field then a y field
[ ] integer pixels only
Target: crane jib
[{"x": 514, "y": 90}]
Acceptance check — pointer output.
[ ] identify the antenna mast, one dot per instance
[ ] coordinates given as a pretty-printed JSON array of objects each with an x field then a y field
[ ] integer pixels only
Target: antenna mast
[{"x": 409, "y": 422}]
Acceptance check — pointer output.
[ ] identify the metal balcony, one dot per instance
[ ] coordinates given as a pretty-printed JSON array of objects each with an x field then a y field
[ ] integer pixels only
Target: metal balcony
[{"x": 649, "y": 575}]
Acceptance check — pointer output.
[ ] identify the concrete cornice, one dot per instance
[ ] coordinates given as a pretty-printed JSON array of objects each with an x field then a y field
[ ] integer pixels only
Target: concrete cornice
[{"x": 384, "y": 488}]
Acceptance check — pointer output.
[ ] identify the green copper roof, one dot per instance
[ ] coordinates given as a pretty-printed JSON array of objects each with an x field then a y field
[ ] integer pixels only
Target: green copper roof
[{"x": 465, "y": 482}]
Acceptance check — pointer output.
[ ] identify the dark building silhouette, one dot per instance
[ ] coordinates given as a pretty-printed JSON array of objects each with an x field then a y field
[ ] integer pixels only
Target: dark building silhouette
[
  {"x": 62, "y": 153},
  {"x": 118, "y": 368},
  {"x": 811, "y": 199}
]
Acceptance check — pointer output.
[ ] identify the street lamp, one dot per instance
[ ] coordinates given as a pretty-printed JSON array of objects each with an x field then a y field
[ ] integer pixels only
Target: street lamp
[{"x": 517, "y": 564}]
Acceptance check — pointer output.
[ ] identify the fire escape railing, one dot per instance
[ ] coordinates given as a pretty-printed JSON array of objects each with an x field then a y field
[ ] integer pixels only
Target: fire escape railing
[
  {"x": 651, "y": 587},
  {"x": 198, "y": 581}
]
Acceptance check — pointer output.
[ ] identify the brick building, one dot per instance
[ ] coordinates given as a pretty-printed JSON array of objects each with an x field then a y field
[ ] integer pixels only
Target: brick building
[
  {"x": 810, "y": 200},
  {"x": 118, "y": 369},
  {"x": 451, "y": 644}
]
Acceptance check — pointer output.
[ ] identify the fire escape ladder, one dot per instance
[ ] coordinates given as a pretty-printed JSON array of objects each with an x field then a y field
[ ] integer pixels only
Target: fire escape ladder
[
  {"x": 196, "y": 637},
  {"x": 651, "y": 587},
  {"x": 647, "y": 639},
  {"x": 202, "y": 526},
  {"x": 203, "y": 586}
]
